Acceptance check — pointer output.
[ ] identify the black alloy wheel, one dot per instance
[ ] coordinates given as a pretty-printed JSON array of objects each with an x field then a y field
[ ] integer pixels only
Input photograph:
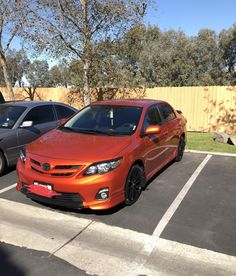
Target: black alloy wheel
[
  {"x": 180, "y": 150},
  {"x": 134, "y": 184},
  {"x": 3, "y": 163}
]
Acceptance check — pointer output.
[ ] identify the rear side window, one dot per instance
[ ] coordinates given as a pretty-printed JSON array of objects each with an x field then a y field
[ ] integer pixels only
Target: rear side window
[
  {"x": 152, "y": 117},
  {"x": 166, "y": 112},
  {"x": 63, "y": 112},
  {"x": 40, "y": 115}
]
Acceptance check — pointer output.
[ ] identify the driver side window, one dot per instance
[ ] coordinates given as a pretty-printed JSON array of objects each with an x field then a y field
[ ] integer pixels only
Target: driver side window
[
  {"x": 40, "y": 115},
  {"x": 152, "y": 117}
]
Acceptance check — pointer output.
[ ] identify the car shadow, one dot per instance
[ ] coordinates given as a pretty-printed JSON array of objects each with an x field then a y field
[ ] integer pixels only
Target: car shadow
[
  {"x": 8, "y": 267},
  {"x": 158, "y": 174},
  {"x": 83, "y": 211},
  {"x": 9, "y": 170}
]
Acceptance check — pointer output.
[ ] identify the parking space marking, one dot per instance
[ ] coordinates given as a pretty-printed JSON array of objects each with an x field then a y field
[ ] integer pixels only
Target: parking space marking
[
  {"x": 8, "y": 188},
  {"x": 153, "y": 240}
]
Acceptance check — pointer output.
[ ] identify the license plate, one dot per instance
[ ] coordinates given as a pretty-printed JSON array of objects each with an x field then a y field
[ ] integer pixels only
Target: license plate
[{"x": 47, "y": 186}]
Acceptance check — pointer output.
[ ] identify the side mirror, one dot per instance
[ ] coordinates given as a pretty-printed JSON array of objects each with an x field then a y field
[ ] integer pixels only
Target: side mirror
[
  {"x": 152, "y": 130},
  {"x": 26, "y": 124},
  {"x": 62, "y": 122}
]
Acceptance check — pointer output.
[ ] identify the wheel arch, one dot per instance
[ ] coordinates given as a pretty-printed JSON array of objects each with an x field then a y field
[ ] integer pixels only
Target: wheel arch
[{"x": 140, "y": 163}]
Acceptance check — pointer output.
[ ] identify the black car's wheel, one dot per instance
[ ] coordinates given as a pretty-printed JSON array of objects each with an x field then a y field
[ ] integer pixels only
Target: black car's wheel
[
  {"x": 134, "y": 184},
  {"x": 180, "y": 149},
  {"x": 3, "y": 163}
]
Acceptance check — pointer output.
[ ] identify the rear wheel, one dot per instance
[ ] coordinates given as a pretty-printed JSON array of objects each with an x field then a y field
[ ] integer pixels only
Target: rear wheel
[
  {"x": 3, "y": 163},
  {"x": 134, "y": 184},
  {"x": 180, "y": 149}
]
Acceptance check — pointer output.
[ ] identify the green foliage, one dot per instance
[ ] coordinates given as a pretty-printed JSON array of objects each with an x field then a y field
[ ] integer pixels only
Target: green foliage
[
  {"x": 18, "y": 63},
  {"x": 227, "y": 41},
  {"x": 204, "y": 142},
  {"x": 38, "y": 74}
]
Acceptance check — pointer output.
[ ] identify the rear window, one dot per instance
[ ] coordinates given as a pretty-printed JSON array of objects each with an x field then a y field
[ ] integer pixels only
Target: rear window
[
  {"x": 166, "y": 112},
  {"x": 63, "y": 112}
]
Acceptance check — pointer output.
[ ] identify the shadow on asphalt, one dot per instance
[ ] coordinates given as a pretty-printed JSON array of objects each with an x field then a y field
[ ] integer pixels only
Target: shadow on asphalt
[
  {"x": 7, "y": 266},
  {"x": 9, "y": 170}
]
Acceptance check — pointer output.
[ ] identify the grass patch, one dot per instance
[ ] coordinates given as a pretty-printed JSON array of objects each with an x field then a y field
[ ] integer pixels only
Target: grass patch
[{"x": 205, "y": 142}]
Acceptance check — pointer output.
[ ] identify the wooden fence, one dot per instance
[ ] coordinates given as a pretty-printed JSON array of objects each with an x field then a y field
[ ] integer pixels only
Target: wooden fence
[{"x": 211, "y": 108}]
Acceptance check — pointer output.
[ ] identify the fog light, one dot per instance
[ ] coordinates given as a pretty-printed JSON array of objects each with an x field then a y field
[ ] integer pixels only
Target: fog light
[{"x": 102, "y": 194}]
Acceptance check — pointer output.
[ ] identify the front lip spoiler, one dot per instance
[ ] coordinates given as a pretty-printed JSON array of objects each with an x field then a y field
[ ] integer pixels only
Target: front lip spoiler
[{"x": 78, "y": 204}]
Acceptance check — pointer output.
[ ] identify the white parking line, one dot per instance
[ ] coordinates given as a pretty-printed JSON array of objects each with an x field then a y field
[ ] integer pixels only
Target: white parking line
[
  {"x": 153, "y": 240},
  {"x": 8, "y": 188}
]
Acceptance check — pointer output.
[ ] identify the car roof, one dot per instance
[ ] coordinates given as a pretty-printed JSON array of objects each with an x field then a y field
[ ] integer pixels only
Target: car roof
[
  {"x": 128, "y": 102},
  {"x": 30, "y": 103}
]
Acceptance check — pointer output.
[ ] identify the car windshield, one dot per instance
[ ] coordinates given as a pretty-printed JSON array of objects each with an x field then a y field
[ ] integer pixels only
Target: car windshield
[
  {"x": 9, "y": 115},
  {"x": 105, "y": 120}
]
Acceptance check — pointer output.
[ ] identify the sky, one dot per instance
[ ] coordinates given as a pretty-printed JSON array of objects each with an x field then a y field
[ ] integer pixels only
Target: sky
[
  {"x": 192, "y": 15},
  {"x": 186, "y": 15}
]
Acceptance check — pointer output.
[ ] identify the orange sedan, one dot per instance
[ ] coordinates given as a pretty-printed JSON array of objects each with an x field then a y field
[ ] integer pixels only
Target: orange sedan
[{"x": 103, "y": 155}]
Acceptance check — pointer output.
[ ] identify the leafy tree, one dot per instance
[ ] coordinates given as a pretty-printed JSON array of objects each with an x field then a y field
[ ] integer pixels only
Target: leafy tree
[
  {"x": 18, "y": 63},
  {"x": 13, "y": 19},
  {"x": 75, "y": 27},
  {"x": 206, "y": 56},
  {"x": 38, "y": 74},
  {"x": 60, "y": 75},
  {"x": 227, "y": 41}
]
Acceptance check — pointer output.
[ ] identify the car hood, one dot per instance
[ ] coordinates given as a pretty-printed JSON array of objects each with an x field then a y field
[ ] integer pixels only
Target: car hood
[{"x": 80, "y": 147}]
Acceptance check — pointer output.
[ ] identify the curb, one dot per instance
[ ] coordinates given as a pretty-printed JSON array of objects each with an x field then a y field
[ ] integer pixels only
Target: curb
[{"x": 212, "y": 153}]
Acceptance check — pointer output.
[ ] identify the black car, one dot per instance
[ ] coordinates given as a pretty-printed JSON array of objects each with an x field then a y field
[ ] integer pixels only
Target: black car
[{"x": 24, "y": 121}]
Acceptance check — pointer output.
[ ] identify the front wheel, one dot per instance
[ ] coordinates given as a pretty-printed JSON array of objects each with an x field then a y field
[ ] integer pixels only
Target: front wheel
[
  {"x": 180, "y": 149},
  {"x": 134, "y": 184}
]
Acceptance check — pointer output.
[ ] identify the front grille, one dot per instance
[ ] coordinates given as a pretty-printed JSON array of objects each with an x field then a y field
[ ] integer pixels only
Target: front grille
[
  {"x": 34, "y": 169},
  {"x": 61, "y": 174},
  {"x": 57, "y": 170},
  {"x": 70, "y": 200},
  {"x": 35, "y": 162},
  {"x": 66, "y": 167}
]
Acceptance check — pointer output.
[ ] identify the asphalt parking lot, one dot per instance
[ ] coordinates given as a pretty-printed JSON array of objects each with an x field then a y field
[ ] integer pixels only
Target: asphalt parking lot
[{"x": 192, "y": 202}]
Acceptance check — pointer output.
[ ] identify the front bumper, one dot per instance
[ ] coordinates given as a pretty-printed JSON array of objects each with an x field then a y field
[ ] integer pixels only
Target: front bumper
[
  {"x": 70, "y": 200},
  {"x": 73, "y": 192}
]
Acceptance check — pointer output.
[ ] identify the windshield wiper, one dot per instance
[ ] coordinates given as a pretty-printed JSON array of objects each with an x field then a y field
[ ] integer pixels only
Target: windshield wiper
[
  {"x": 67, "y": 128},
  {"x": 93, "y": 131}
]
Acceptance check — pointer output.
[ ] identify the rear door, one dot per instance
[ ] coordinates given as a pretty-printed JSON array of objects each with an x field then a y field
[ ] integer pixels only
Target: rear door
[{"x": 43, "y": 118}]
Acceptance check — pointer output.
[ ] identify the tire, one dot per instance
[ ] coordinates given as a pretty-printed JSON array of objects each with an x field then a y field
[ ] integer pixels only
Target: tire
[
  {"x": 134, "y": 184},
  {"x": 3, "y": 163},
  {"x": 180, "y": 150}
]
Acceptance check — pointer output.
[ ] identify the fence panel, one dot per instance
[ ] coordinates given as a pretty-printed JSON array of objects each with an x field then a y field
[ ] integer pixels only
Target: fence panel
[{"x": 211, "y": 108}]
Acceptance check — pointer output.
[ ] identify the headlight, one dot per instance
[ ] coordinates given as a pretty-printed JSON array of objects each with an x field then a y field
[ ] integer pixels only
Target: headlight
[
  {"x": 23, "y": 154},
  {"x": 103, "y": 167}
]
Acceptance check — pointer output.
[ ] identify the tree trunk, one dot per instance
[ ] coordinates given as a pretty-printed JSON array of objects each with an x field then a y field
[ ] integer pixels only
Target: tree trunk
[
  {"x": 86, "y": 83},
  {"x": 6, "y": 76},
  {"x": 87, "y": 52}
]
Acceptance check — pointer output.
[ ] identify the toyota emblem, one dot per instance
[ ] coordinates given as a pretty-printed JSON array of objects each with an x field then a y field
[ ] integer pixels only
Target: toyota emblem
[{"x": 46, "y": 167}]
